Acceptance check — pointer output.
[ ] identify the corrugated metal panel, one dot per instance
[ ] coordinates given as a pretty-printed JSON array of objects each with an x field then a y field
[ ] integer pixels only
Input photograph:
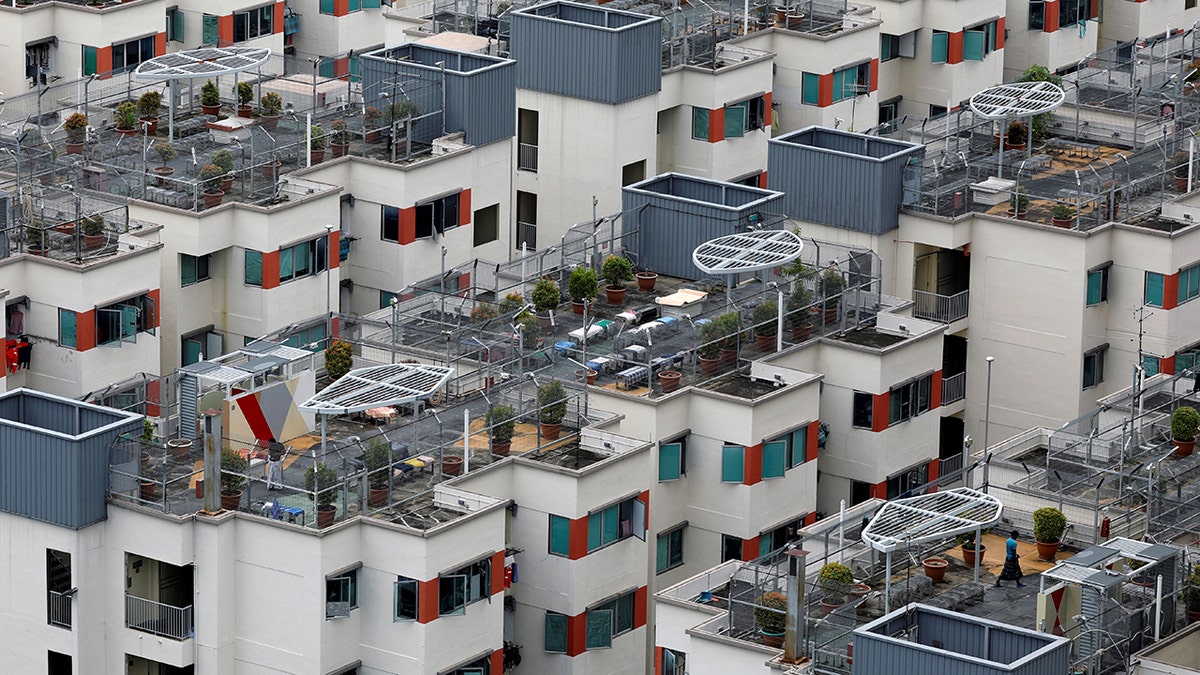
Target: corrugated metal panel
[
  {"x": 587, "y": 52},
  {"x": 484, "y": 104}
]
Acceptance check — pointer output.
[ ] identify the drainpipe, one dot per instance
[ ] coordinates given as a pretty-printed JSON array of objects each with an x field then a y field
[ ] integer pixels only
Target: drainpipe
[
  {"x": 212, "y": 464},
  {"x": 796, "y": 635}
]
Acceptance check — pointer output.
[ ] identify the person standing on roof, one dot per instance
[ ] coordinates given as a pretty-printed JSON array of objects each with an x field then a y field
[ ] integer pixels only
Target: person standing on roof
[
  {"x": 1012, "y": 564},
  {"x": 275, "y": 453}
]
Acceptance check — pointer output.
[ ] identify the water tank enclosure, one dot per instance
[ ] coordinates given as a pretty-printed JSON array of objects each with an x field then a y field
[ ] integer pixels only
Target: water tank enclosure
[
  {"x": 54, "y": 456},
  {"x": 840, "y": 178}
]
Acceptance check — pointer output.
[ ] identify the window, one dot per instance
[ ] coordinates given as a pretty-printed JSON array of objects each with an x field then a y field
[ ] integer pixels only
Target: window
[
  {"x": 58, "y": 583},
  {"x": 795, "y": 449},
  {"x": 305, "y": 259},
  {"x": 1154, "y": 289},
  {"x": 341, "y": 594},
  {"x": 673, "y": 662},
  {"x": 311, "y": 338},
  {"x": 487, "y": 225},
  {"x": 622, "y": 520},
  {"x": 89, "y": 60},
  {"x": 633, "y": 172},
  {"x": 464, "y": 586},
  {"x": 327, "y": 6},
  {"x": 732, "y": 464},
  {"x": 1097, "y": 285},
  {"x": 1071, "y": 12},
  {"x": 389, "y": 223},
  {"x": 1189, "y": 283},
  {"x": 253, "y": 23},
  {"x": 889, "y": 47},
  {"x": 901, "y": 484},
  {"x": 940, "y": 46},
  {"x": 731, "y": 548},
  {"x": 385, "y": 298},
  {"x": 936, "y": 111},
  {"x": 560, "y": 536},
  {"x": 1187, "y": 359},
  {"x": 889, "y": 110},
  {"x": 211, "y": 31},
  {"x": 66, "y": 328},
  {"x": 556, "y": 633},
  {"x": 608, "y": 620},
  {"x": 776, "y": 538},
  {"x": 193, "y": 268},
  {"x": 910, "y": 399},
  {"x": 1037, "y": 15},
  {"x": 851, "y": 81},
  {"x": 175, "y": 24},
  {"x": 1093, "y": 367},
  {"x": 700, "y": 124},
  {"x": 1150, "y": 364},
  {"x": 404, "y": 599},
  {"x": 979, "y": 41},
  {"x": 128, "y": 55},
  {"x": 526, "y": 221},
  {"x": 672, "y": 460},
  {"x": 122, "y": 321},
  {"x": 669, "y": 550},
  {"x": 864, "y": 403},
  {"x": 253, "y": 273},
  {"x": 774, "y": 459},
  {"x": 437, "y": 215},
  {"x": 810, "y": 86},
  {"x": 1189, "y": 4}
]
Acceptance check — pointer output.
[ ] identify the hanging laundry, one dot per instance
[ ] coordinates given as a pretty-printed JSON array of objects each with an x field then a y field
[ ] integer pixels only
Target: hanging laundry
[{"x": 16, "y": 323}]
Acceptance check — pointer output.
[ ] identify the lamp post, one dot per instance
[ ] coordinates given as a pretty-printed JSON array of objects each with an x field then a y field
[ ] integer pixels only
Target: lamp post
[
  {"x": 395, "y": 308},
  {"x": 328, "y": 281},
  {"x": 987, "y": 419}
]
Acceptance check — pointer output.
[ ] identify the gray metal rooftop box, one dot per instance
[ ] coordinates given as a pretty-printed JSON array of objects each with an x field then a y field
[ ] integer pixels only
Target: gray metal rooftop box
[
  {"x": 54, "y": 456},
  {"x": 840, "y": 178}
]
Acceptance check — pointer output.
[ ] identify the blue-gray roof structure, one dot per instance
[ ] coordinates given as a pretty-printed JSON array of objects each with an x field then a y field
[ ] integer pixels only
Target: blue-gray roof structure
[
  {"x": 480, "y": 96},
  {"x": 54, "y": 456},
  {"x": 840, "y": 178},
  {"x": 674, "y": 214},
  {"x": 587, "y": 51}
]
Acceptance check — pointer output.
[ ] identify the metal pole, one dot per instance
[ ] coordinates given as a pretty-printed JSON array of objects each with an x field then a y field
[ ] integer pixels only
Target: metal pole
[
  {"x": 328, "y": 280},
  {"x": 978, "y": 555},
  {"x": 395, "y": 307},
  {"x": 779, "y": 324},
  {"x": 987, "y": 419},
  {"x": 466, "y": 440}
]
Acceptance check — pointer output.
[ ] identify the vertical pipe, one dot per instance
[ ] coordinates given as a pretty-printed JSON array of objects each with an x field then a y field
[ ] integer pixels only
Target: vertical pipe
[
  {"x": 1157, "y": 606},
  {"x": 1191, "y": 161},
  {"x": 978, "y": 555},
  {"x": 987, "y": 419},
  {"x": 887, "y": 583},
  {"x": 842, "y": 532},
  {"x": 779, "y": 324},
  {"x": 466, "y": 440}
]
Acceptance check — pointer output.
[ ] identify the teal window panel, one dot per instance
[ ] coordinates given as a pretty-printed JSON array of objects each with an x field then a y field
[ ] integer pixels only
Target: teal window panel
[
  {"x": 67, "y": 328},
  {"x": 733, "y": 468},
  {"x": 1096, "y": 286},
  {"x": 670, "y": 461},
  {"x": 560, "y": 535},
  {"x": 700, "y": 124},
  {"x": 940, "y": 46},
  {"x": 253, "y": 273},
  {"x": 599, "y": 629},
  {"x": 735, "y": 120},
  {"x": 810, "y": 89},
  {"x": 211, "y": 32},
  {"x": 89, "y": 60},
  {"x": 327, "y": 6},
  {"x": 1154, "y": 289},
  {"x": 1150, "y": 364},
  {"x": 798, "y": 449},
  {"x": 973, "y": 43},
  {"x": 774, "y": 459},
  {"x": 370, "y": 4},
  {"x": 556, "y": 633}
]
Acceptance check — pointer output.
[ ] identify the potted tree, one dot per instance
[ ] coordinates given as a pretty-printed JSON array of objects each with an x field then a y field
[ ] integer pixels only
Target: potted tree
[
  {"x": 339, "y": 359},
  {"x": 709, "y": 350},
  {"x": 76, "y": 126},
  {"x": 166, "y": 152},
  {"x": 371, "y": 120},
  {"x": 798, "y": 316},
  {"x": 233, "y": 477},
  {"x": 147, "y": 106},
  {"x": 502, "y": 420},
  {"x": 244, "y": 91},
  {"x": 616, "y": 271},
  {"x": 1184, "y": 422},
  {"x": 1062, "y": 215},
  {"x": 320, "y": 482},
  {"x": 210, "y": 99},
  {"x": 545, "y": 299},
  {"x": 93, "y": 231},
  {"x": 268, "y": 107},
  {"x": 582, "y": 286},
  {"x": 339, "y": 141},
  {"x": 1018, "y": 205},
  {"x": 511, "y": 303},
  {"x": 1179, "y": 166},
  {"x": 770, "y": 615},
  {"x": 646, "y": 280},
  {"x": 379, "y": 462},
  {"x": 765, "y": 317},
  {"x": 835, "y": 580},
  {"x": 970, "y": 549},
  {"x": 211, "y": 176},
  {"x": 316, "y": 153},
  {"x": 37, "y": 238},
  {"x": 125, "y": 118},
  {"x": 1192, "y": 596},
  {"x": 529, "y": 328},
  {"x": 224, "y": 159},
  {"x": 1048, "y": 526},
  {"x": 729, "y": 327},
  {"x": 832, "y": 285},
  {"x": 552, "y": 400},
  {"x": 1016, "y": 137},
  {"x": 483, "y": 312},
  {"x": 148, "y": 486}
]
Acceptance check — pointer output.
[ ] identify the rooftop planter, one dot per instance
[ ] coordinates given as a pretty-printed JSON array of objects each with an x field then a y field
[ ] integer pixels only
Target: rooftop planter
[
  {"x": 552, "y": 402},
  {"x": 233, "y": 477},
  {"x": 1184, "y": 422},
  {"x": 320, "y": 482},
  {"x": 616, "y": 271},
  {"x": 1048, "y": 526}
]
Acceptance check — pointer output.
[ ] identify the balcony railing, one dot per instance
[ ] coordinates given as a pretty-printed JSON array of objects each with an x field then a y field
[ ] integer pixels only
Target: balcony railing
[
  {"x": 527, "y": 156},
  {"x": 941, "y": 308},
  {"x": 950, "y": 466},
  {"x": 954, "y": 388},
  {"x": 58, "y": 609},
  {"x": 157, "y": 618}
]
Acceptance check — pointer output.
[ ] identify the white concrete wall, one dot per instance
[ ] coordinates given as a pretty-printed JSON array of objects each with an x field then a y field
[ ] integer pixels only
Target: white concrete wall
[
  {"x": 1055, "y": 50},
  {"x": 328, "y": 35},
  {"x": 1124, "y": 21}
]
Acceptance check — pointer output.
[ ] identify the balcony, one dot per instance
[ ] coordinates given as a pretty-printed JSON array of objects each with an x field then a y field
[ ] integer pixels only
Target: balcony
[
  {"x": 58, "y": 609},
  {"x": 159, "y": 619},
  {"x": 950, "y": 466},
  {"x": 527, "y": 157},
  {"x": 941, "y": 308},
  {"x": 954, "y": 388}
]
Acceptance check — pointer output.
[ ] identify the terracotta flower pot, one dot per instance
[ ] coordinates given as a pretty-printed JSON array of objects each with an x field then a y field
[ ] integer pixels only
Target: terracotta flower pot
[
  {"x": 551, "y": 432},
  {"x": 501, "y": 449},
  {"x": 269, "y": 122},
  {"x": 180, "y": 447},
  {"x": 373, "y": 136},
  {"x": 211, "y": 109},
  {"x": 1184, "y": 448},
  {"x": 615, "y": 295},
  {"x": 93, "y": 241},
  {"x": 452, "y": 466},
  {"x": 148, "y": 490},
  {"x": 213, "y": 199},
  {"x": 325, "y": 515},
  {"x": 577, "y": 306},
  {"x": 316, "y": 156},
  {"x": 127, "y": 132},
  {"x": 1019, "y": 215},
  {"x": 728, "y": 355},
  {"x": 1064, "y": 223},
  {"x": 935, "y": 568},
  {"x": 231, "y": 500},
  {"x": 970, "y": 553},
  {"x": 801, "y": 332},
  {"x": 74, "y": 148},
  {"x": 227, "y": 184},
  {"x": 339, "y": 149},
  {"x": 1181, "y": 183},
  {"x": 151, "y": 124},
  {"x": 1013, "y": 146},
  {"x": 270, "y": 171},
  {"x": 646, "y": 281},
  {"x": 770, "y": 639},
  {"x": 708, "y": 366},
  {"x": 65, "y": 228},
  {"x": 830, "y": 315},
  {"x": 1047, "y": 550},
  {"x": 765, "y": 343},
  {"x": 669, "y": 379},
  {"x": 163, "y": 173},
  {"x": 378, "y": 496}
]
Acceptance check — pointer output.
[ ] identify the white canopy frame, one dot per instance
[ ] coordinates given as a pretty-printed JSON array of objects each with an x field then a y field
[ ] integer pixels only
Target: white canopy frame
[
  {"x": 1017, "y": 99},
  {"x": 753, "y": 251},
  {"x": 205, "y": 62}
]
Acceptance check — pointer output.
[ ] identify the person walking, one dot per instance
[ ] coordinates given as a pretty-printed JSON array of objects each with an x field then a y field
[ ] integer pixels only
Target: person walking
[
  {"x": 1012, "y": 564},
  {"x": 275, "y": 452}
]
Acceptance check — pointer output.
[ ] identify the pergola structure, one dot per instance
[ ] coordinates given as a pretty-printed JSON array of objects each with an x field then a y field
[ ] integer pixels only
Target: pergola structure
[
  {"x": 1018, "y": 99},
  {"x": 205, "y": 62},
  {"x": 936, "y": 516},
  {"x": 753, "y": 251}
]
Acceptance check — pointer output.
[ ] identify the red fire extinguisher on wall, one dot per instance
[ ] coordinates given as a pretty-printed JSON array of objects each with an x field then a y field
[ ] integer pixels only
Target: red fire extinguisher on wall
[{"x": 1104, "y": 527}]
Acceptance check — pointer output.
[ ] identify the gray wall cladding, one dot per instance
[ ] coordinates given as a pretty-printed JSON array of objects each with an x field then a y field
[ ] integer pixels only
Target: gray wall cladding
[
  {"x": 59, "y": 479},
  {"x": 587, "y": 52},
  {"x": 838, "y": 178}
]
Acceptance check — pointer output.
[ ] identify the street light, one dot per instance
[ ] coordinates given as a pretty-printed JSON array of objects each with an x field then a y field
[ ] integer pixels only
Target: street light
[{"x": 987, "y": 418}]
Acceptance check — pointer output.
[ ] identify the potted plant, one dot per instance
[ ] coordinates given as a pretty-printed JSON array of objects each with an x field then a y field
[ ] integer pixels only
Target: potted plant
[
  {"x": 339, "y": 359},
  {"x": 529, "y": 328},
  {"x": 832, "y": 285},
  {"x": 1018, "y": 205},
  {"x": 371, "y": 120},
  {"x": 76, "y": 126},
  {"x": 210, "y": 99},
  {"x": 511, "y": 303},
  {"x": 1184, "y": 422},
  {"x": 125, "y": 118},
  {"x": 1191, "y": 596},
  {"x": 669, "y": 380},
  {"x": 483, "y": 312},
  {"x": 1016, "y": 137},
  {"x": 582, "y": 286},
  {"x": 339, "y": 140},
  {"x": 93, "y": 231},
  {"x": 378, "y": 462},
  {"x": 1062, "y": 215},
  {"x": 970, "y": 549},
  {"x": 545, "y": 299},
  {"x": 1048, "y": 526},
  {"x": 244, "y": 92},
  {"x": 224, "y": 159},
  {"x": 764, "y": 318},
  {"x": 166, "y": 152},
  {"x": 398, "y": 115},
  {"x": 147, "y": 106},
  {"x": 270, "y": 169},
  {"x": 320, "y": 482},
  {"x": 211, "y": 176},
  {"x": 709, "y": 336},
  {"x": 646, "y": 280},
  {"x": 797, "y": 306},
  {"x": 616, "y": 271},
  {"x": 835, "y": 580},
  {"x": 316, "y": 152},
  {"x": 552, "y": 401},
  {"x": 502, "y": 420},
  {"x": 233, "y": 476},
  {"x": 935, "y": 568},
  {"x": 1179, "y": 166},
  {"x": 37, "y": 238},
  {"x": 770, "y": 615},
  {"x": 148, "y": 486},
  {"x": 268, "y": 107}
]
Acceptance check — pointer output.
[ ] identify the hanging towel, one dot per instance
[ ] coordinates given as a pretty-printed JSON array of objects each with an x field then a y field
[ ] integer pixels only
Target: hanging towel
[
  {"x": 514, "y": 573},
  {"x": 16, "y": 322}
]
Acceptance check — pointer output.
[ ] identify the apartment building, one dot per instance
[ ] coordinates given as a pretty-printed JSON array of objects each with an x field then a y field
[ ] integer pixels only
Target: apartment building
[{"x": 1057, "y": 35}]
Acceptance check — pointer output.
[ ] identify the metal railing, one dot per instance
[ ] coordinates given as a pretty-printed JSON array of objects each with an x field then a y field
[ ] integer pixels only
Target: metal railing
[
  {"x": 950, "y": 466},
  {"x": 157, "y": 618},
  {"x": 58, "y": 609},
  {"x": 954, "y": 388},
  {"x": 527, "y": 157},
  {"x": 941, "y": 308}
]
